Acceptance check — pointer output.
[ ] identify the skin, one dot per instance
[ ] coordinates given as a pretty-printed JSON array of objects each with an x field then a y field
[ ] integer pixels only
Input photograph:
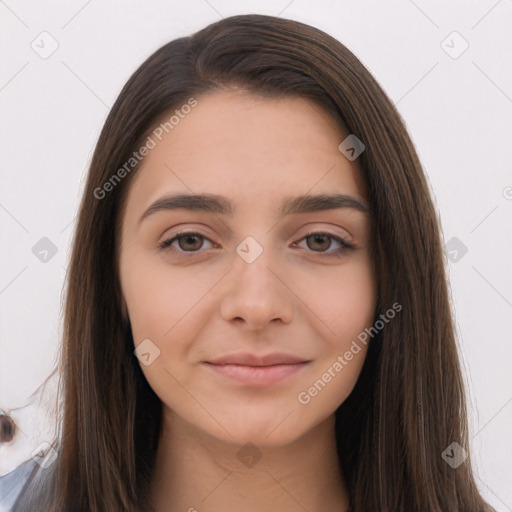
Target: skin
[{"x": 195, "y": 306}]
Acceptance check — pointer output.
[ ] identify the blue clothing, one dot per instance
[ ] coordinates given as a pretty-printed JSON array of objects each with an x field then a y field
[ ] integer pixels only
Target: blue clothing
[
  {"x": 29, "y": 487},
  {"x": 12, "y": 484}
]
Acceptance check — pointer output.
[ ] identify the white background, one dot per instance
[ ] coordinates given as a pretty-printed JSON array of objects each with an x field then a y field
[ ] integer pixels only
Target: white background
[{"x": 457, "y": 110}]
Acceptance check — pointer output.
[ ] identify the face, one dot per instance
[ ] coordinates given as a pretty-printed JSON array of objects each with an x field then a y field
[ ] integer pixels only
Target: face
[{"x": 245, "y": 304}]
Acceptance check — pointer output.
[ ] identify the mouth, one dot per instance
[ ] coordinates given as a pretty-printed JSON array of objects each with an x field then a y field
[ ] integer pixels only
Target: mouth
[{"x": 255, "y": 370}]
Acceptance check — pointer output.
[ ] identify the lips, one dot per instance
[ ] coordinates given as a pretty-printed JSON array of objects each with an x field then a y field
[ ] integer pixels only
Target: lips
[
  {"x": 255, "y": 370},
  {"x": 247, "y": 359}
]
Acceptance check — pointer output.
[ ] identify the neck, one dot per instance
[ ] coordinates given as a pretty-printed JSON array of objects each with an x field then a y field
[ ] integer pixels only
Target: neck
[{"x": 195, "y": 472}]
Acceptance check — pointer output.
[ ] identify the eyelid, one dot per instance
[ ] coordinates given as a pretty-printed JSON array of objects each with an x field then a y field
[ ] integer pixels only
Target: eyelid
[
  {"x": 318, "y": 227},
  {"x": 183, "y": 231}
]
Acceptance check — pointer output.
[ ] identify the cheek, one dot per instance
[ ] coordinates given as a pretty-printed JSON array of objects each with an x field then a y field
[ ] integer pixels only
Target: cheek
[
  {"x": 163, "y": 307},
  {"x": 347, "y": 307},
  {"x": 344, "y": 303},
  {"x": 343, "y": 300},
  {"x": 333, "y": 381},
  {"x": 156, "y": 297},
  {"x": 169, "y": 307}
]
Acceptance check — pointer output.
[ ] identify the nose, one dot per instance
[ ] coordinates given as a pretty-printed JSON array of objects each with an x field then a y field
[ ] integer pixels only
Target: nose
[{"x": 257, "y": 293}]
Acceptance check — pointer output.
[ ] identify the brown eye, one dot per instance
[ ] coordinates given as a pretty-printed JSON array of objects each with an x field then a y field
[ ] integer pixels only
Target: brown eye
[
  {"x": 319, "y": 242},
  {"x": 187, "y": 242},
  {"x": 190, "y": 242}
]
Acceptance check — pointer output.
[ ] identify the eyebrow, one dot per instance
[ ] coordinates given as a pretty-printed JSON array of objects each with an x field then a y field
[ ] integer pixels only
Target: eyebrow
[{"x": 217, "y": 204}]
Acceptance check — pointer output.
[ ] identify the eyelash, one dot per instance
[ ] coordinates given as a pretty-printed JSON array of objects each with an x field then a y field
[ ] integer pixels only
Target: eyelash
[{"x": 345, "y": 246}]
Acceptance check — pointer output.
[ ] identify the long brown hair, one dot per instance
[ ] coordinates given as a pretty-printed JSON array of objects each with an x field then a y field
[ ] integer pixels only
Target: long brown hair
[{"x": 408, "y": 404}]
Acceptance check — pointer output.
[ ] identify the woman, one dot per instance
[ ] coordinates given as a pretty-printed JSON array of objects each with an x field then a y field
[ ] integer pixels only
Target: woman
[{"x": 257, "y": 314}]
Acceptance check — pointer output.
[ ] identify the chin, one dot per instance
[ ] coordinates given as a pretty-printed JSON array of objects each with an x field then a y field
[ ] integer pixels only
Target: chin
[
  {"x": 249, "y": 433},
  {"x": 268, "y": 426}
]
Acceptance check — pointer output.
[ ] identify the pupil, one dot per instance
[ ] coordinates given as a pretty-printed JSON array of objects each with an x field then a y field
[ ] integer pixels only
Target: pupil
[
  {"x": 321, "y": 238},
  {"x": 188, "y": 238}
]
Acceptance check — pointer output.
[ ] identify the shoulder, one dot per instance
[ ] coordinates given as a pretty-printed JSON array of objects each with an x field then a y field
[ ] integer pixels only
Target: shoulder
[{"x": 13, "y": 483}]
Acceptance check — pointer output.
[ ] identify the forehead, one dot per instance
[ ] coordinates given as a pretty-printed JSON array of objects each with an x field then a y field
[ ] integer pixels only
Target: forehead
[{"x": 250, "y": 147}]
